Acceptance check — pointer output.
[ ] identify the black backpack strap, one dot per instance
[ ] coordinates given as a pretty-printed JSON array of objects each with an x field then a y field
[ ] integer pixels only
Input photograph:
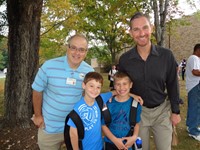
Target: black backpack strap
[
  {"x": 132, "y": 116},
  {"x": 105, "y": 113},
  {"x": 99, "y": 102},
  {"x": 80, "y": 129}
]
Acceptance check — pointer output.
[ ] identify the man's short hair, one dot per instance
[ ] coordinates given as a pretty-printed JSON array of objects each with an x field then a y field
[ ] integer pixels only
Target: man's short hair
[
  {"x": 138, "y": 15},
  {"x": 77, "y": 35}
]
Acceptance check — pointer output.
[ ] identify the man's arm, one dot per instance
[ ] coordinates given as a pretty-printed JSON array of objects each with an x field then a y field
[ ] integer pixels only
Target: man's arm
[
  {"x": 137, "y": 98},
  {"x": 196, "y": 72},
  {"x": 37, "y": 106},
  {"x": 74, "y": 138},
  {"x": 172, "y": 86}
]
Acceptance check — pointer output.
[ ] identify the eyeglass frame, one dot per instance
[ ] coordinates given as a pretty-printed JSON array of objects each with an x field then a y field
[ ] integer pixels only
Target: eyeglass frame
[{"x": 74, "y": 48}]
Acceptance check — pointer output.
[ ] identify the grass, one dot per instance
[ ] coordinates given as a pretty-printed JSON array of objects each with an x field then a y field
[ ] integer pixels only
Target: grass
[
  {"x": 1, "y": 96},
  {"x": 185, "y": 142}
]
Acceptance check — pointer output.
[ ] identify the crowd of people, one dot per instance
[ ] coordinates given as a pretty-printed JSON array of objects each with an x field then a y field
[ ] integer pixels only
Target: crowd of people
[{"x": 147, "y": 74}]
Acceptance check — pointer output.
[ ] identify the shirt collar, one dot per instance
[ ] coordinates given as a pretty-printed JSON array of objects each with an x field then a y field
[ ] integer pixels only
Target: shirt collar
[{"x": 134, "y": 53}]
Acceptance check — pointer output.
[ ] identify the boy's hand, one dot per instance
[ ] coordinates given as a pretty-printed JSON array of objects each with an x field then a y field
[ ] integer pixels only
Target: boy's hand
[
  {"x": 129, "y": 141},
  {"x": 119, "y": 143}
]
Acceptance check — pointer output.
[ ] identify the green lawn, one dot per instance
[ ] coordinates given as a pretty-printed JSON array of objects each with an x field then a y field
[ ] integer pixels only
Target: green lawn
[{"x": 185, "y": 142}]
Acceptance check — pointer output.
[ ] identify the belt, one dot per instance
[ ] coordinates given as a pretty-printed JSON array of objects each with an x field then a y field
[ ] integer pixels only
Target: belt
[{"x": 151, "y": 107}]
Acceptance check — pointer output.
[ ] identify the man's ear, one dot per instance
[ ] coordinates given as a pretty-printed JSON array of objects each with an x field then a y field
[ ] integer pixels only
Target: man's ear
[
  {"x": 152, "y": 28},
  {"x": 130, "y": 33}
]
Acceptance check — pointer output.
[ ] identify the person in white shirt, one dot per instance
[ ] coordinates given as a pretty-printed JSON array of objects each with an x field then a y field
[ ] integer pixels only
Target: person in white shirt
[
  {"x": 193, "y": 89},
  {"x": 111, "y": 74}
]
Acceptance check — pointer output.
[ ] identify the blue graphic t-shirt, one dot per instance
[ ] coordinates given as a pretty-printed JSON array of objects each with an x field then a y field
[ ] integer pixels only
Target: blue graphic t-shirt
[
  {"x": 91, "y": 118},
  {"x": 120, "y": 112}
]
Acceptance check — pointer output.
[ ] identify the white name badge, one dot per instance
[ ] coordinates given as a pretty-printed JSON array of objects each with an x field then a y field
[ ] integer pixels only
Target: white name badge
[{"x": 71, "y": 81}]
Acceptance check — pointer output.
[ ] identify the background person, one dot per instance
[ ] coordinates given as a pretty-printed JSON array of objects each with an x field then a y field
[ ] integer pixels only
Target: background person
[
  {"x": 56, "y": 88},
  {"x": 152, "y": 69},
  {"x": 193, "y": 89},
  {"x": 111, "y": 74},
  {"x": 182, "y": 66}
]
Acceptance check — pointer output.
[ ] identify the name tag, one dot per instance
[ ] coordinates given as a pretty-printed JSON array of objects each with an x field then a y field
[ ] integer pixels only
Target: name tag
[{"x": 71, "y": 81}]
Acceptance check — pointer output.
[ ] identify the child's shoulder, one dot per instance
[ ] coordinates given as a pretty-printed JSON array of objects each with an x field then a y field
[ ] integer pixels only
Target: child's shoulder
[{"x": 80, "y": 102}]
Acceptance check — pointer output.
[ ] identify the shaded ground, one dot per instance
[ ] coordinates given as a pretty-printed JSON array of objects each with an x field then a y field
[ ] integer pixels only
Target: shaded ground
[{"x": 18, "y": 138}]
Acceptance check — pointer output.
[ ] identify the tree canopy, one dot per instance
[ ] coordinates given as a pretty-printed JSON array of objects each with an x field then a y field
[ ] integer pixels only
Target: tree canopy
[{"x": 105, "y": 22}]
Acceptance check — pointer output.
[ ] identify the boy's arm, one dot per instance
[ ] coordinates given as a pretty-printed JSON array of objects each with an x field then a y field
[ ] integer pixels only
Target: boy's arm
[
  {"x": 136, "y": 131},
  {"x": 117, "y": 141},
  {"x": 137, "y": 98},
  {"x": 74, "y": 138}
]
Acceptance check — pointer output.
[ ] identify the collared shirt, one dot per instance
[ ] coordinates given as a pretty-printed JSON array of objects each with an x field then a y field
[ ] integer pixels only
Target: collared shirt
[
  {"x": 61, "y": 87},
  {"x": 154, "y": 77}
]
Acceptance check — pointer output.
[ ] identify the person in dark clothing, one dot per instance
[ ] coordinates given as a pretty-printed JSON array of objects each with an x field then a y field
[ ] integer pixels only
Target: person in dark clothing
[
  {"x": 153, "y": 69},
  {"x": 182, "y": 66}
]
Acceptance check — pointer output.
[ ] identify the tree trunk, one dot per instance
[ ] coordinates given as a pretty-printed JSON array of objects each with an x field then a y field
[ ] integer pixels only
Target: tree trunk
[
  {"x": 160, "y": 14},
  {"x": 23, "y": 47}
]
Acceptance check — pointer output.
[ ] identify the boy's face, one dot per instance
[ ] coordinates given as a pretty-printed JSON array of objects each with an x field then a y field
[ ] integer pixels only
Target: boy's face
[
  {"x": 92, "y": 88},
  {"x": 123, "y": 86}
]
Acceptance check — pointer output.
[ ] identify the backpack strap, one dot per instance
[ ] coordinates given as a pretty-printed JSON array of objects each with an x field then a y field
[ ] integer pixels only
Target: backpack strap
[
  {"x": 99, "y": 101},
  {"x": 80, "y": 129},
  {"x": 105, "y": 113},
  {"x": 132, "y": 116},
  {"x": 79, "y": 124}
]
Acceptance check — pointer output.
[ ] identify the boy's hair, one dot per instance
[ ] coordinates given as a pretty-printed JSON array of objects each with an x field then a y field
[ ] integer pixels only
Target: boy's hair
[
  {"x": 120, "y": 75},
  {"x": 93, "y": 76},
  {"x": 139, "y": 15}
]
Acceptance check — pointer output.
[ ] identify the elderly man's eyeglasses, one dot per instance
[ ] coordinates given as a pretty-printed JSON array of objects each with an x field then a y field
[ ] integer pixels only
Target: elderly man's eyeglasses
[{"x": 74, "y": 48}]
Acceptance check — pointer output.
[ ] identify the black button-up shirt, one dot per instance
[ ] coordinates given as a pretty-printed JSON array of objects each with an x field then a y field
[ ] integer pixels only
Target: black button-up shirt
[{"x": 152, "y": 77}]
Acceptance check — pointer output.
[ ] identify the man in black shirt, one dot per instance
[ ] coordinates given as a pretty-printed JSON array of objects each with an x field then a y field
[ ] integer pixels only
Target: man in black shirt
[{"x": 153, "y": 70}]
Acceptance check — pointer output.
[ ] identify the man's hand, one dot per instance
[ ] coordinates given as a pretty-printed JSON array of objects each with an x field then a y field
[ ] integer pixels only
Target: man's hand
[
  {"x": 175, "y": 118},
  {"x": 38, "y": 121},
  {"x": 137, "y": 98}
]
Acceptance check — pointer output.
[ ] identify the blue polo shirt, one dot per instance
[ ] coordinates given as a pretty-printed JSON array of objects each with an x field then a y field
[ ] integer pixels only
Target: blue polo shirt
[{"x": 62, "y": 88}]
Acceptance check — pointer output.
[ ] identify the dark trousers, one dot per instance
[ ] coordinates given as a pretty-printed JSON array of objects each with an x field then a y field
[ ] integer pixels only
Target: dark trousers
[
  {"x": 110, "y": 146},
  {"x": 183, "y": 74}
]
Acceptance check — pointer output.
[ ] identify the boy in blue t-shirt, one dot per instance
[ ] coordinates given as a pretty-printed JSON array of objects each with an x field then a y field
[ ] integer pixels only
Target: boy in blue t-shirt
[
  {"x": 116, "y": 134},
  {"x": 90, "y": 114}
]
